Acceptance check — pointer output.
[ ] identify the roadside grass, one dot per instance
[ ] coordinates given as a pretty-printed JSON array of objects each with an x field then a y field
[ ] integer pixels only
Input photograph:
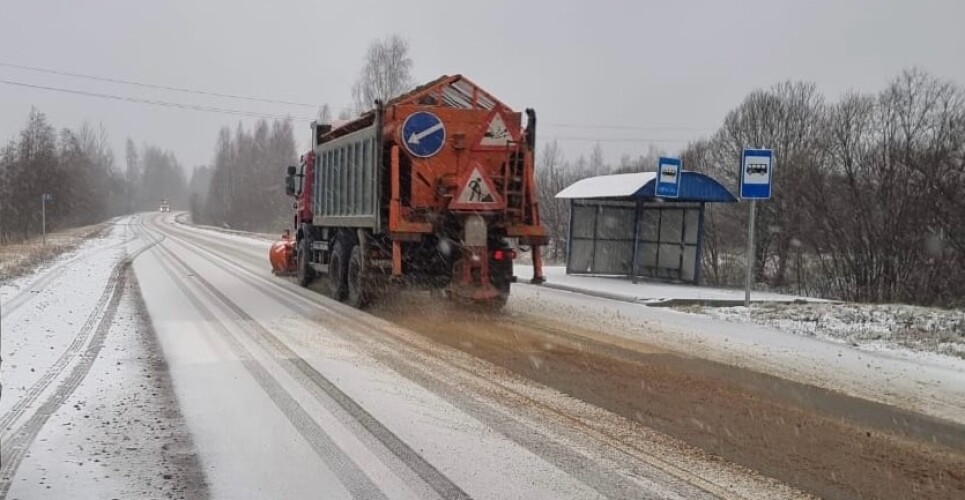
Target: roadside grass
[{"x": 19, "y": 259}]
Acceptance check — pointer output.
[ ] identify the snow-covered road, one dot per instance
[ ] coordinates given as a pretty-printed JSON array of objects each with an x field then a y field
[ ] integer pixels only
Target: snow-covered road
[
  {"x": 87, "y": 408},
  {"x": 194, "y": 372},
  {"x": 290, "y": 394}
]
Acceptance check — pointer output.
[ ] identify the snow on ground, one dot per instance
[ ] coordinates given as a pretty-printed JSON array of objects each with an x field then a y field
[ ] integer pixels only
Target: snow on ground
[
  {"x": 120, "y": 434},
  {"x": 901, "y": 330},
  {"x": 43, "y": 312},
  {"x": 887, "y": 327},
  {"x": 466, "y": 426},
  {"x": 933, "y": 385},
  {"x": 267, "y": 449},
  {"x": 648, "y": 292},
  {"x": 87, "y": 409},
  {"x": 22, "y": 258},
  {"x": 184, "y": 218}
]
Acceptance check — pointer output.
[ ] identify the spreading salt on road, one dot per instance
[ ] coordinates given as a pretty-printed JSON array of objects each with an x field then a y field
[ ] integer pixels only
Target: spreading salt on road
[{"x": 164, "y": 360}]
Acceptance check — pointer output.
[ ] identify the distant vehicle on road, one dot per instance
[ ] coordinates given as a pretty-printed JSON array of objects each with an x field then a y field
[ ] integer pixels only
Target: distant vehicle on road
[{"x": 165, "y": 206}]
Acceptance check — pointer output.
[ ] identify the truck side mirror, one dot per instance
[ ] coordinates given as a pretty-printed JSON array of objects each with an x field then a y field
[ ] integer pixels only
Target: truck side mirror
[
  {"x": 290, "y": 183},
  {"x": 292, "y": 170}
]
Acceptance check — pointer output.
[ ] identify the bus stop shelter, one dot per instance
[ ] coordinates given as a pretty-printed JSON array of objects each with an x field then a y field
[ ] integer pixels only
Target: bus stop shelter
[{"x": 618, "y": 227}]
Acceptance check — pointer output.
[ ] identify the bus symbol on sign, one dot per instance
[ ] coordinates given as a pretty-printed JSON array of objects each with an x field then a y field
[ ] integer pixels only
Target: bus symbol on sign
[{"x": 757, "y": 167}]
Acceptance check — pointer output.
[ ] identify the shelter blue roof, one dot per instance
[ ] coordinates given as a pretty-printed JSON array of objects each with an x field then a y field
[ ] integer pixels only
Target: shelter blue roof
[{"x": 694, "y": 187}]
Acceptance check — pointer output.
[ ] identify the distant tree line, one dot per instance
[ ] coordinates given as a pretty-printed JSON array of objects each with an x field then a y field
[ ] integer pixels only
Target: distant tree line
[
  {"x": 245, "y": 187},
  {"x": 869, "y": 192},
  {"x": 79, "y": 171}
]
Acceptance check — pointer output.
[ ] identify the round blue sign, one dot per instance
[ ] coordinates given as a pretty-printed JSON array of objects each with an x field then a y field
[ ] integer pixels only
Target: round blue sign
[{"x": 423, "y": 134}]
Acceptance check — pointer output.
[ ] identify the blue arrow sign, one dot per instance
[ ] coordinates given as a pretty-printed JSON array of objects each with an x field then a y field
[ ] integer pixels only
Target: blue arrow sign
[
  {"x": 423, "y": 134},
  {"x": 757, "y": 169},
  {"x": 668, "y": 178}
]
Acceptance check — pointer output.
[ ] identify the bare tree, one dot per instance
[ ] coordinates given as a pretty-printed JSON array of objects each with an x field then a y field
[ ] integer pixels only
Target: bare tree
[
  {"x": 387, "y": 72},
  {"x": 598, "y": 164},
  {"x": 552, "y": 176},
  {"x": 325, "y": 114}
]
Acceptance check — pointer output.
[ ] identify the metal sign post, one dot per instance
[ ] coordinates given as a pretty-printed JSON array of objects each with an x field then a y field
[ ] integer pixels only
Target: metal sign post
[
  {"x": 750, "y": 253},
  {"x": 757, "y": 167},
  {"x": 43, "y": 216}
]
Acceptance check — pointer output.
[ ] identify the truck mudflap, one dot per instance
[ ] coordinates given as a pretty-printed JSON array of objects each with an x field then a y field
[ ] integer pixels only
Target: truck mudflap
[{"x": 473, "y": 274}]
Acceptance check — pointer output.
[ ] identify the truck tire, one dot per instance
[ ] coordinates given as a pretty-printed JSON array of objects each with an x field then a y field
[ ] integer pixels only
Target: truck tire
[
  {"x": 337, "y": 272},
  {"x": 358, "y": 292},
  {"x": 501, "y": 276},
  {"x": 303, "y": 266}
]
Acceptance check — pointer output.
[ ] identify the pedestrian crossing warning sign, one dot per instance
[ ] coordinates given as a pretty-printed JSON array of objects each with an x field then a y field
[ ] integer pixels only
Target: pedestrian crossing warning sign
[
  {"x": 497, "y": 134},
  {"x": 476, "y": 193}
]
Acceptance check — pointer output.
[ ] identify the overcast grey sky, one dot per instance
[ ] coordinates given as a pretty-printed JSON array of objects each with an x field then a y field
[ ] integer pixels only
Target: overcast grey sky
[{"x": 673, "y": 67}]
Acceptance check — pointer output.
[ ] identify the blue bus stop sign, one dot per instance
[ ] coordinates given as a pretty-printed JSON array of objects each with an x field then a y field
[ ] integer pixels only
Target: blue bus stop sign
[
  {"x": 423, "y": 134},
  {"x": 668, "y": 178},
  {"x": 757, "y": 171}
]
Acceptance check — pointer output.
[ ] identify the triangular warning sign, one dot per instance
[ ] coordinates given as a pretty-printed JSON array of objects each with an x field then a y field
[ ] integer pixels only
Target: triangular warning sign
[
  {"x": 476, "y": 193},
  {"x": 497, "y": 134}
]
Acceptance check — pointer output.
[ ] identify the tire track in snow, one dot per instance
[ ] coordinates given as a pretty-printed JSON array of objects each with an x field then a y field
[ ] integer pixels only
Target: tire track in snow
[
  {"x": 75, "y": 347},
  {"x": 31, "y": 291},
  {"x": 350, "y": 475},
  {"x": 606, "y": 483},
  {"x": 327, "y": 393},
  {"x": 15, "y": 443}
]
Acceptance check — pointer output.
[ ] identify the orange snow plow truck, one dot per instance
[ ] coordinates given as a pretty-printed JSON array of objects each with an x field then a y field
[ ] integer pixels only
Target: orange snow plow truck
[{"x": 428, "y": 190}]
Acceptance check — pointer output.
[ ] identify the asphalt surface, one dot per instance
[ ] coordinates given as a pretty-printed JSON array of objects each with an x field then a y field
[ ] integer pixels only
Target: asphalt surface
[{"x": 260, "y": 387}]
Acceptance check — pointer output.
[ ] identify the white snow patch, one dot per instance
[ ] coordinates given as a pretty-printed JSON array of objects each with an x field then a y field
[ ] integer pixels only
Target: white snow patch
[
  {"x": 607, "y": 186},
  {"x": 867, "y": 326},
  {"x": 649, "y": 292}
]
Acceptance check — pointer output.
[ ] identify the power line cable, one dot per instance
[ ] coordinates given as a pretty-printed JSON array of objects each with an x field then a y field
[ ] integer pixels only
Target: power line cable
[
  {"x": 154, "y": 86},
  {"x": 294, "y": 103},
  {"x": 626, "y": 139},
  {"x": 193, "y": 107},
  {"x": 622, "y": 127}
]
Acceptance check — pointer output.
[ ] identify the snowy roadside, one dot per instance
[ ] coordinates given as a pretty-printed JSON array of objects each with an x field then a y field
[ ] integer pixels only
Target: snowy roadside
[
  {"x": 184, "y": 218},
  {"x": 87, "y": 409},
  {"x": 918, "y": 381},
  {"x": 21, "y": 259},
  {"x": 892, "y": 328},
  {"x": 120, "y": 434}
]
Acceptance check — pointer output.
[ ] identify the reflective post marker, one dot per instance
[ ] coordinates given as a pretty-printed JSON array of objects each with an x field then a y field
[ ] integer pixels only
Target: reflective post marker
[{"x": 750, "y": 253}]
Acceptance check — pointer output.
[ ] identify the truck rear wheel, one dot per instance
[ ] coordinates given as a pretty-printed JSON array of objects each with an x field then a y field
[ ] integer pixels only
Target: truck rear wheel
[
  {"x": 501, "y": 276},
  {"x": 304, "y": 270},
  {"x": 358, "y": 292},
  {"x": 337, "y": 273}
]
